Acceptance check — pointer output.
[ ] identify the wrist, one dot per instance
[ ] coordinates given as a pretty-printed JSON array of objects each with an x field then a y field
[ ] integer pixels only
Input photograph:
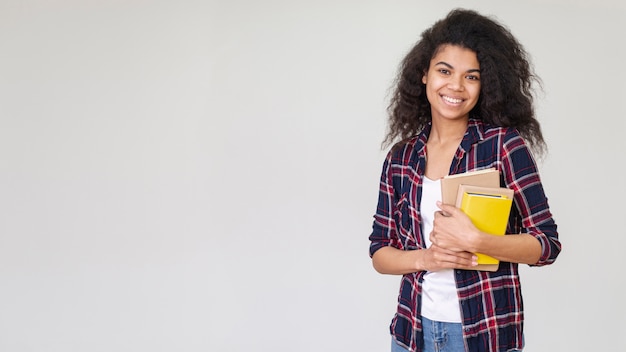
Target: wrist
[
  {"x": 477, "y": 241},
  {"x": 421, "y": 262}
]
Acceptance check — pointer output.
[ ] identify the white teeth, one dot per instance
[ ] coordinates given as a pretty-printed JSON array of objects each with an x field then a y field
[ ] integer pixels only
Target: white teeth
[{"x": 452, "y": 100}]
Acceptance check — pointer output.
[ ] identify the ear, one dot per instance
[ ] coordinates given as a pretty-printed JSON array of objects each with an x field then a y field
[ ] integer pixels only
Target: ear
[{"x": 424, "y": 79}]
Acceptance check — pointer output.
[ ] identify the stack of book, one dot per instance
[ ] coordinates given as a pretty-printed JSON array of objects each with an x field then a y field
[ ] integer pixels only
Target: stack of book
[{"x": 479, "y": 195}]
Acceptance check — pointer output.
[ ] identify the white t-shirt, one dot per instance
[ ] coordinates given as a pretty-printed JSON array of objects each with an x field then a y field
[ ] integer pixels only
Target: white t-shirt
[{"x": 440, "y": 301}]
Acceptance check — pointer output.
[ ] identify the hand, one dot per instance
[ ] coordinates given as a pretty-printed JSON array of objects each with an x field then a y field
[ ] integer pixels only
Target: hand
[
  {"x": 437, "y": 258},
  {"x": 453, "y": 230}
]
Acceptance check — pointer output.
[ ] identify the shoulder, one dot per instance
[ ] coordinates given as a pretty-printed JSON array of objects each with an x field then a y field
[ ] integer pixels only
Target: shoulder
[
  {"x": 403, "y": 151},
  {"x": 506, "y": 136}
]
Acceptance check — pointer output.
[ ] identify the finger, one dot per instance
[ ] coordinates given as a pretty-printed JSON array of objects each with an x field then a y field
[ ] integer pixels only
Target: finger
[
  {"x": 446, "y": 208},
  {"x": 441, "y": 213},
  {"x": 432, "y": 238}
]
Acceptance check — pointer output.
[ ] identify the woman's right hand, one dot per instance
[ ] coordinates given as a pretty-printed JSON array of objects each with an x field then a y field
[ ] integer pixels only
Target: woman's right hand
[{"x": 436, "y": 258}]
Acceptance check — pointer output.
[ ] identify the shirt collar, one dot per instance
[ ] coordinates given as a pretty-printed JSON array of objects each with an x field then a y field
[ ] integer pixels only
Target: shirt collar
[{"x": 474, "y": 134}]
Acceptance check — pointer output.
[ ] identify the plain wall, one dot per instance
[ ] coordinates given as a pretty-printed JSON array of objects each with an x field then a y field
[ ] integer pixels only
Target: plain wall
[{"x": 202, "y": 176}]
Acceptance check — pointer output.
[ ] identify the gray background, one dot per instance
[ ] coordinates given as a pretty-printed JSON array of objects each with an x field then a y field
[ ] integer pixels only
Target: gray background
[{"x": 201, "y": 176}]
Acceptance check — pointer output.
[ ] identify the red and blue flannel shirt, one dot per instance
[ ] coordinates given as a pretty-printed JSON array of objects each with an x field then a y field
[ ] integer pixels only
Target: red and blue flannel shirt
[{"x": 491, "y": 302}]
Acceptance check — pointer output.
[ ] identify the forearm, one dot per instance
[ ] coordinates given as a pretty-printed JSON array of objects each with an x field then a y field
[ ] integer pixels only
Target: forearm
[
  {"x": 390, "y": 260},
  {"x": 521, "y": 248}
]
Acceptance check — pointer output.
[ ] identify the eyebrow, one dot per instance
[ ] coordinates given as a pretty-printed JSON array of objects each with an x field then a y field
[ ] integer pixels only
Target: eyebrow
[{"x": 450, "y": 66}]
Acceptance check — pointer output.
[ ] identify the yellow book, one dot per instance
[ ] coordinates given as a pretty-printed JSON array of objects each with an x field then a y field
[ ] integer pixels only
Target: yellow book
[{"x": 489, "y": 209}]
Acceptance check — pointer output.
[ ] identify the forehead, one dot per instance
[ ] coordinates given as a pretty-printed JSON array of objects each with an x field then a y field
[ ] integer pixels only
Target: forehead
[{"x": 455, "y": 55}]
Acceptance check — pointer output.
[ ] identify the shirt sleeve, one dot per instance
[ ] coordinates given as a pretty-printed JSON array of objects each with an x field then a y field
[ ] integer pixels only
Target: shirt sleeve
[
  {"x": 521, "y": 174},
  {"x": 384, "y": 231}
]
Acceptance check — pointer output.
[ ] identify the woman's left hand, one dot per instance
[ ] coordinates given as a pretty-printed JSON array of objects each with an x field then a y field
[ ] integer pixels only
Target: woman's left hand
[{"x": 452, "y": 229}]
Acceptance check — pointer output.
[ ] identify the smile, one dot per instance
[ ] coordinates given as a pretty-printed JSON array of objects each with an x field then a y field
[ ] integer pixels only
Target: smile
[{"x": 451, "y": 100}]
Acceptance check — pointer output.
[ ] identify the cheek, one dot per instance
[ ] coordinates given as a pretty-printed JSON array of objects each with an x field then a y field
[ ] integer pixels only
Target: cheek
[
  {"x": 431, "y": 93},
  {"x": 475, "y": 92}
]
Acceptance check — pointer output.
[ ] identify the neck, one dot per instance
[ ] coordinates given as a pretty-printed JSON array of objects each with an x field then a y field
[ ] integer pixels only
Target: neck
[{"x": 443, "y": 132}]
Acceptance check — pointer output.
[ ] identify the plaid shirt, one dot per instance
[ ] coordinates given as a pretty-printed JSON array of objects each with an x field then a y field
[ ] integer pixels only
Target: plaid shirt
[{"x": 491, "y": 302}]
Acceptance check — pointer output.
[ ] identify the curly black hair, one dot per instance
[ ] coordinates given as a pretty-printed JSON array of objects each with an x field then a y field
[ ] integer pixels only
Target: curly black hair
[{"x": 506, "y": 74}]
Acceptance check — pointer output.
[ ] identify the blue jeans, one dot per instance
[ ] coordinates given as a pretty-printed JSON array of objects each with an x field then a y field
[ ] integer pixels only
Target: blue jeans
[
  {"x": 438, "y": 337},
  {"x": 442, "y": 337},
  {"x": 395, "y": 347}
]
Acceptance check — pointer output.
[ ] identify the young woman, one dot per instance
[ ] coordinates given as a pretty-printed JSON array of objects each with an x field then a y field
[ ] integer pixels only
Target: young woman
[{"x": 463, "y": 102}]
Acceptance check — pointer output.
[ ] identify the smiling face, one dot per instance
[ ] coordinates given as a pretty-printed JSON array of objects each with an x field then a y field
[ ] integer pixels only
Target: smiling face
[{"x": 452, "y": 83}]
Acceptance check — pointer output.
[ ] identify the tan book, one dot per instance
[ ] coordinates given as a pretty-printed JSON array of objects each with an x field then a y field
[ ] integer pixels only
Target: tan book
[{"x": 450, "y": 184}]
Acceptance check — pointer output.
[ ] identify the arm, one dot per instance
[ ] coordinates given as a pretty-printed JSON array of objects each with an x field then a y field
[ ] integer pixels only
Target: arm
[
  {"x": 455, "y": 230},
  {"x": 520, "y": 174},
  {"x": 393, "y": 245},
  {"x": 533, "y": 237},
  {"x": 390, "y": 260}
]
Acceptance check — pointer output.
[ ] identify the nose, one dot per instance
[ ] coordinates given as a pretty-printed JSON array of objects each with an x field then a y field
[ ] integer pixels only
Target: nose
[{"x": 456, "y": 82}]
